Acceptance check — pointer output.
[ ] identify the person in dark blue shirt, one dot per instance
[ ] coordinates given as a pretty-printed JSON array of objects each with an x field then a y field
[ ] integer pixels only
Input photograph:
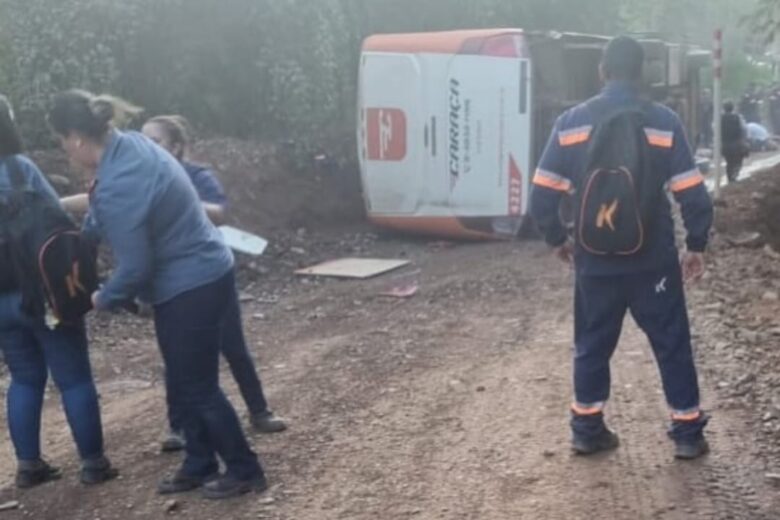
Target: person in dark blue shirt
[
  {"x": 32, "y": 350},
  {"x": 171, "y": 133},
  {"x": 650, "y": 282},
  {"x": 167, "y": 253}
]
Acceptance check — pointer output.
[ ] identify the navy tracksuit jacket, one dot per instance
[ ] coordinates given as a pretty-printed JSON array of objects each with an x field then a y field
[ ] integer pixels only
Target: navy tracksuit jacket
[{"x": 648, "y": 284}]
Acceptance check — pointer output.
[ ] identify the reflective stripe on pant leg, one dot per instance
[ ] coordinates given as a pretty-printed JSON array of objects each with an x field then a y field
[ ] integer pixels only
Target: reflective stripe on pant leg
[
  {"x": 693, "y": 414},
  {"x": 588, "y": 409}
]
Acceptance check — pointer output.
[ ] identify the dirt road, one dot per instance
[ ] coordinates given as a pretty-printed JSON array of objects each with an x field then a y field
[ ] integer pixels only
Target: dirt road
[{"x": 450, "y": 405}]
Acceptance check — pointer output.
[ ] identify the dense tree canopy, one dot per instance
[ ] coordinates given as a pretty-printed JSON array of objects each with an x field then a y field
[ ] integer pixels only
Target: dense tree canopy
[{"x": 277, "y": 69}]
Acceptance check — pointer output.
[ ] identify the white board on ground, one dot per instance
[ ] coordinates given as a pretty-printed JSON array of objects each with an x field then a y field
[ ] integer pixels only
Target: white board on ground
[
  {"x": 360, "y": 268},
  {"x": 242, "y": 241}
]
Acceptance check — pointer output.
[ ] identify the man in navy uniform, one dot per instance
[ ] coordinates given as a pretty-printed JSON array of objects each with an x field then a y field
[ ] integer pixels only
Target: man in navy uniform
[{"x": 650, "y": 282}]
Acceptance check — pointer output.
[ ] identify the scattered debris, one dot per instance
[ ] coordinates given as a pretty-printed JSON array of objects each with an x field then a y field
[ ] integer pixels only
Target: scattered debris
[
  {"x": 771, "y": 296},
  {"x": 10, "y": 506},
  {"x": 750, "y": 240},
  {"x": 360, "y": 268},
  {"x": 441, "y": 244},
  {"x": 402, "y": 292},
  {"x": 171, "y": 506},
  {"x": 770, "y": 251},
  {"x": 774, "y": 478}
]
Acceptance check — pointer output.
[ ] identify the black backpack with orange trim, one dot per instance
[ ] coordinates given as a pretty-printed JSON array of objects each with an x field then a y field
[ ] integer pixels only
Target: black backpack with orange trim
[
  {"x": 52, "y": 266},
  {"x": 618, "y": 195}
]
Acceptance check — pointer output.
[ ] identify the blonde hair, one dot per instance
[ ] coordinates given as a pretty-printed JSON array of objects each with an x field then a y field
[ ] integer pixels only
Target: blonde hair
[
  {"x": 114, "y": 110},
  {"x": 90, "y": 115}
]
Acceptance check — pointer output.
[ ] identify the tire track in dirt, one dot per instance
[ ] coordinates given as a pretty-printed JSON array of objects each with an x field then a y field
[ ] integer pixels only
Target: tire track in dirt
[
  {"x": 452, "y": 405},
  {"x": 638, "y": 481}
]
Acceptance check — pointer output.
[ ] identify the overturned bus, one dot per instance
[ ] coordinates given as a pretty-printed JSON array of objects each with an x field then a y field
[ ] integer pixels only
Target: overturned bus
[{"x": 451, "y": 124}]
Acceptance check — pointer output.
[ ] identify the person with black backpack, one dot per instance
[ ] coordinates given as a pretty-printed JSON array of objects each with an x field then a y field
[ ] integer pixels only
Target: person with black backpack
[
  {"x": 45, "y": 278},
  {"x": 167, "y": 253},
  {"x": 618, "y": 156}
]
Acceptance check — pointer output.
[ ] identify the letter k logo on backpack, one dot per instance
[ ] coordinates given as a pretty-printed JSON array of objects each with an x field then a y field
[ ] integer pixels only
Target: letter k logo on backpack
[
  {"x": 606, "y": 215},
  {"x": 619, "y": 190}
]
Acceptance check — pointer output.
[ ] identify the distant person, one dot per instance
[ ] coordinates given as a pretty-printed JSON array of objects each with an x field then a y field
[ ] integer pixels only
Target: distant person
[
  {"x": 169, "y": 254},
  {"x": 749, "y": 106},
  {"x": 758, "y": 138},
  {"x": 734, "y": 139},
  {"x": 33, "y": 349},
  {"x": 774, "y": 110},
  {"x": 171, "y": 132},
  {"x": 618, "y": 152}
]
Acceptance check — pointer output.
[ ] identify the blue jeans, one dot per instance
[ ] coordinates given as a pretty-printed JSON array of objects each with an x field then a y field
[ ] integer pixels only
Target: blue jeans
[
  {"x": 656, "y": 300},
  {"x": 234, "y": 349},
  {"x": 32, "y": 351},
  {"x": 189, "y": 328}
]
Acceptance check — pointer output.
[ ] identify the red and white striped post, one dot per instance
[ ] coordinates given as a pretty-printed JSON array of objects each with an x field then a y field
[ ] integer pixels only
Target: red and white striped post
[{"x": 717, "y": 101}]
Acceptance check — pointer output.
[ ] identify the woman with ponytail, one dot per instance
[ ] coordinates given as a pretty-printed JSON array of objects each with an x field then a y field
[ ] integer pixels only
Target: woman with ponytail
[{"x": 167, "y": 253}]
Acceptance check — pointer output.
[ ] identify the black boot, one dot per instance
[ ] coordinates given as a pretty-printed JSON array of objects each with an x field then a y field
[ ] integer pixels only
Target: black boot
[
  {"x": 267, "y": 422},
  {"x": 97, "y": 471},
  {"x": 180, "y": 482},
  {"x": 31, "y": 473},
  {"x": 688, "y": 437},
  {"x": 230, "y": 487},
  {"x": 604, "y": 441},
  {"x": 691, "y": 450},
  {"x": 590, "y": 434}
]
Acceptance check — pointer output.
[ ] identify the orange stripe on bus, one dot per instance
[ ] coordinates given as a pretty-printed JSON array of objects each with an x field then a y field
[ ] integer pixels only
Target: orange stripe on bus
[
  {"x": 438, "y": 226},
  {"x": 447, "y": 42}
]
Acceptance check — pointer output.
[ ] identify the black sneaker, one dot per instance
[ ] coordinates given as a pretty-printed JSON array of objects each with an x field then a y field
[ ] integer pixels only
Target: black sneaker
[
  {"x": 31, "y": 473},
  {"x": 267, "y": 422},
  {"x": 691, "y": 450},
  {"x": 230, "y": 487},
  {"x": 97, "y": 471},
  {"x": 605, "y": 441},
  {"x": 174, "y": 442},
  {"x": 181, "y": 483}
]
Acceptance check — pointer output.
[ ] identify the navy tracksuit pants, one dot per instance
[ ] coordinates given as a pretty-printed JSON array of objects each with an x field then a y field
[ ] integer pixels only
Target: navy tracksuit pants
[{"x": 656, "y": 300}]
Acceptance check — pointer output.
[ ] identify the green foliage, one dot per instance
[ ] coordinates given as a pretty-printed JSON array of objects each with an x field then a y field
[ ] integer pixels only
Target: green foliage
[
  {"x": 276, "y": 69},
  {"x": 740, "y": 71},
  {"x": 764, "y": 22}
]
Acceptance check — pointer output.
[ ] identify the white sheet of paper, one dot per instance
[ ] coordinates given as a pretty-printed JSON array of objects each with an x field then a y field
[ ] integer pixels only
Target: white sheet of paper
[{"x": 243, "y": 242}]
